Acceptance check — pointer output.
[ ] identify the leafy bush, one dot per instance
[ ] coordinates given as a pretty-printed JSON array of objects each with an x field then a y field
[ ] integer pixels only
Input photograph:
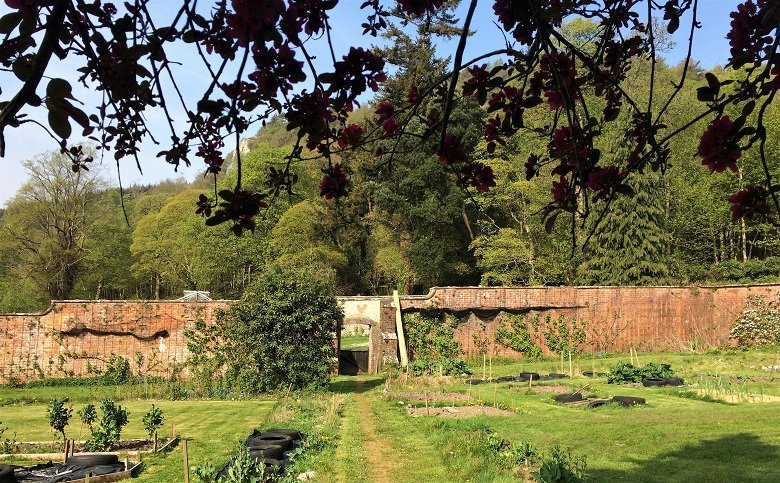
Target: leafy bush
[
  {"x": 59, "y": 415},
  {"x": 624, "y": 372},
  {"x": 561, "y": 466},
  {"x": 153, "y": 421},
  {"x": 433, "y": 346},
  {"x": 759, "y": 324},
  {"x": 117, "y": 371},
  {"x": 243, "y": 469},
  {"x": 524, "y": 335},
  {"x": 279, "y": 335},
  {"x": 88, "y": 415},
  {"x": 108, "y": 431}
]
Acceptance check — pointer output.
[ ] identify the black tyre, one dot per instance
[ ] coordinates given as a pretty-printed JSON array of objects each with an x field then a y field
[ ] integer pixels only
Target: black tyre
[
  {"x": 526, "y": 376},
  {"x": 293, "y": 433},
  {"x": 556, "y": 375},
  {"x": 629, "y": 401},
  {"x": 589, "y": 374},
  {"x": 7, "y": 474},
  {"x": 93, "y": 459},
  {"x": 505, "y": 379},
  {"x": 266, "y": 451},
  {"x": 674, "y": 381},
  {"x": 596, "y": 403},
  {"x": 653, "y": 382},
  {"x": 474, "y": 382},
  {"x": 568, "y": 398},
  {"x": 285, "y": 442}
]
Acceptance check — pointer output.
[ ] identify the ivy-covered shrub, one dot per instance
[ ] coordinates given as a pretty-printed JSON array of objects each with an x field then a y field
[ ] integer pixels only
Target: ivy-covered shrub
[
  {"x": 759, "y": 324},
  {"x": 516, "y": 334},
  {"x": 625, "y": 373},
  {"x": 433, "y": 347},
  {"x": 117, "y": 371},
  {"x": 279, "y": 335}
]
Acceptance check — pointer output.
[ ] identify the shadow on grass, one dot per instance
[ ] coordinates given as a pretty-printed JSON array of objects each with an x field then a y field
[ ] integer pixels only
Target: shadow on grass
[
  {"x": 356, "y": 385},
  {"x": 738, "y": 458}
]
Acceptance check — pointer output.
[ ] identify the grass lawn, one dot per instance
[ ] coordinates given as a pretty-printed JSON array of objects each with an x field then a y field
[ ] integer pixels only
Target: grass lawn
[
  {"x": 367, "y": 435},
  {"x": 354, "y": 343}
]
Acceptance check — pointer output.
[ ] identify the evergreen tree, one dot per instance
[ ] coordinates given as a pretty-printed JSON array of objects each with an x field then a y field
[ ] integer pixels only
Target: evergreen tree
[{"x": 629, "y": 247}]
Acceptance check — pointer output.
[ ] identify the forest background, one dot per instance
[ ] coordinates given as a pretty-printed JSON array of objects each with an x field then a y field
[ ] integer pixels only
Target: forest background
[{"x": 406, "y": 226}]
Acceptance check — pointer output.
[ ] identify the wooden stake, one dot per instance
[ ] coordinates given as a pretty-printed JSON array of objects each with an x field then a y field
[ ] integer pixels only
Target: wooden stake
[
  {"x": 484, "y": 364},
  {"x": 155, "y": 441},
  {"x": 66, "y": 451},
  {"x": 491, "y": 365},
  {"x": 185, "y": 453},
  {"x": 173, "y": 431},
  {"x": 427, "y": 410},
  {"x": 561, "y": 361},
  {"x": 127, "y": 462},
  {"x": 571, "y": 371},
  {"x": 495, "y": 390},
  {"x": 636, "y": 356}
]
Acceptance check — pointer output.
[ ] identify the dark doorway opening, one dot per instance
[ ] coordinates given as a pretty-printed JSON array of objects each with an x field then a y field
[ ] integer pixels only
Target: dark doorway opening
[{"x": 352, "y": 363}]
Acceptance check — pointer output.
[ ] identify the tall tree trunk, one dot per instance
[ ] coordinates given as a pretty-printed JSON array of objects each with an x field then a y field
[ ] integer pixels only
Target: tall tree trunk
[
  {"x": 157, "y": 287},
  {"x": 99, "y": 288}
]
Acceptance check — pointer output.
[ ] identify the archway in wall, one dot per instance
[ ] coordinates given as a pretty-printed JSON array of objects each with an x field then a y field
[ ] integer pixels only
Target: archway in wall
[{"x": 355, "y": 346}]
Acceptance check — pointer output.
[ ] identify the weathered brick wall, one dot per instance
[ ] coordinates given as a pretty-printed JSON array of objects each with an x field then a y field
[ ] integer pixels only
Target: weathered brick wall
[
  {"x": 74, "y": 335},
  {"x": 615, "y": 318}
]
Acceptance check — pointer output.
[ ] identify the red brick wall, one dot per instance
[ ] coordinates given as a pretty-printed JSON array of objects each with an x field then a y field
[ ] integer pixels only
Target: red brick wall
[
  {"x": 615, "y": 318},
  {"x": 64, "y": 339}
]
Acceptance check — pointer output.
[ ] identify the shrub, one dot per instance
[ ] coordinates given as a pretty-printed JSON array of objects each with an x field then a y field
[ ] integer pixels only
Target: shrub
[
  {"x": 624, "y": 372},
  {"x": 279, "y": 335},
  {"x": 88, "y": 415},
  {"x": 153, "y": 420},
  {"x": 117, "y": 371},
  {"x": 433, "y": 346},
  {"x": 516, "y": 336},
  {"x": 59, "y": 415},
  {"x": 759, "y": 324},
  {"x": 561, "y": 466},
  {"x": 561, "y": 335},
  {"x": 108, "y": 431}
]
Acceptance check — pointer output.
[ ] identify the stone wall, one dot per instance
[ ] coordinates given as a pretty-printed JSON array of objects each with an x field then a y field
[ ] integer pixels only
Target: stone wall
[
  {"x": 614, "y": 318},
  {"x": 73, "y": 336}
]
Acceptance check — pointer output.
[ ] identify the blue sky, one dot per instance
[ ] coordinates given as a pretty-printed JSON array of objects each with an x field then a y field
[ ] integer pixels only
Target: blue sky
[{"x": 710, "y": 48}]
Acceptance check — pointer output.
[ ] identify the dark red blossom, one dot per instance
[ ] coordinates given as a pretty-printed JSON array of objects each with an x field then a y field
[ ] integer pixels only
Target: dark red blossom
[
  {"x": 311, "y": 114},
  {"x": 566, "y": 146},
  {"x": 750, "y": 201},
  {"x": 384, "y": 110},
  {"x": 452, "y": 150},
  {"x": 308, "y": 16},
  {"x": 333, "y": 183},
  {"x": 357, "y": 72},
  {"x": 390, "y": 127},
  {"x": 420, "y": 7},
  {"x": 26, "y": 7},
  {"x": 560, "y": 191},
  {"x": 351, "y": 135},
  {"x": 480, "y": 176},
  {"x": 557, "y": 78},
  {"x": 413, "y": 96},
  {"x": 254, "y": 20},
  {"x": 603, "y": 180},
  {"x": 204, "y": 206},
  {"x": 717, "y": 146},
  {"x": 749, "y": 33},
  {"x": 517, "y": 16},
  {"x": 479, "y": 83}
]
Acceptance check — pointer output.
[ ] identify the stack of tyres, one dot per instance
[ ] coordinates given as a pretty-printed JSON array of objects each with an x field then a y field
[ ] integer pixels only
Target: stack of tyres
[{"x": 272, "y": 447}]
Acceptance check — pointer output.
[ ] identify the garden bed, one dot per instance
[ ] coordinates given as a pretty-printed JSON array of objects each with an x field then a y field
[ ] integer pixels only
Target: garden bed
[{"x": 458, "y": 411}]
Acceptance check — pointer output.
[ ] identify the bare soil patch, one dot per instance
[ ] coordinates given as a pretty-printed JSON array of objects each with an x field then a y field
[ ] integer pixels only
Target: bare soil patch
[
  {"x": 736, "y": 398},
  {"x": 553, "y": 389},
  {"x": 438, "y": 396},
  {"x": 459, "y": 411}
]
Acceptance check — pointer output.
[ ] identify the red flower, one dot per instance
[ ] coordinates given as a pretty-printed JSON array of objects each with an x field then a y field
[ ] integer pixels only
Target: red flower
[
  {"x": 603, "y": 180},
  {"x": 479, "y": 83},
  {"x": 253, "y": 20},
  {"x": 717, "y": 146},
  {"x": 413, "y": 96},
  {"x": 749, "y": 34},
  {"x": 452, "y": 151},
  {"x": 480, "y": 176},
  {"x": 560, "y": 191},
  {"x": 333, "y": 183},
  {"x": 390, "y": 127},
  {"x": 384, "y": 110},
  {"x": 557, "y": 76},
  {"x": 748, "y": 202},
  {"x": 25, "y": 7},
  {"x": 565, "y": 146},
  {"x": 350, "y": 135},
  {"x": 204, "y": 206},
  {"x": 420, "y": 7}
]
